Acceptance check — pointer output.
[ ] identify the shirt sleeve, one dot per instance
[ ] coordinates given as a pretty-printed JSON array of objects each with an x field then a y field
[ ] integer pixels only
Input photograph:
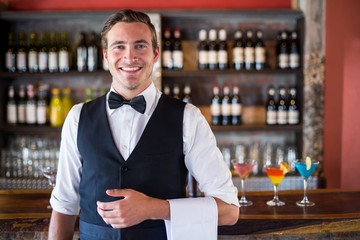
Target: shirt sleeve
[{"x": 65, "y": 196}]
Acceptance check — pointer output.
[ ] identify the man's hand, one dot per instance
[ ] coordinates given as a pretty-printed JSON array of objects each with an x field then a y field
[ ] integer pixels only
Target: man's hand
[{"x": 132, "y": 209}]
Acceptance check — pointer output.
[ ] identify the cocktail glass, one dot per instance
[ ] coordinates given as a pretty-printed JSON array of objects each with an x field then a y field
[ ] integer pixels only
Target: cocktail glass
[
  {"x": 276, "y": 172},
  {"x": 305, "y": 168},
  {"x": 243, "y": 167},
  {"x": 50, "y": 174}
]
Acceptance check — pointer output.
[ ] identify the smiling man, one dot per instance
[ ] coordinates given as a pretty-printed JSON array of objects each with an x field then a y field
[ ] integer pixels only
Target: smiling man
[{"x": 125, "y": 156}]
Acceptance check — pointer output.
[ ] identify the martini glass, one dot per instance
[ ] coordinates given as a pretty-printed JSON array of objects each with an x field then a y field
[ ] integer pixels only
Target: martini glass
[
  {"x": 50, "y": 174},
  {"x": 243, "y": 168},
  {"x": 305, "y": 168},
  {"x": 276, "y": 172}
]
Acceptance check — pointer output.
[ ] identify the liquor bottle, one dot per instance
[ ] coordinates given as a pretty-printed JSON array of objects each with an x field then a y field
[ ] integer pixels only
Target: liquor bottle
[
  {"x": 293, "y": 108},
  {"x": 167, "y": 61},
  {"x": 216, "y": 107},
  {"x": 271, "y": 108},
  {"x": 223, "y": 50},
  {"x": 177, "y": 52},
  {"x": 226, "y": 106},
  {"x": 67, "y": 101},
  {"x": 43, "y": 53},
  {"x": 21, "y": 54},
  {"x": 213, "y": 50},
  {"x": 30, "y": 105},
  {"x": 260, "y": 51},
  {"x": 21, "y": 108},
  {"x": 236, "y": 107},
  {"x": 167, "y": 90},
  {"x": 64, "y": 53},
  {"x": 53, "y": 54},
  {"x": 42, "y": 104},
  {"x": 92, "y": 53},
  {"x": 203, "y": 50},
  {"x": 81, "y": 54},
  {"x": 249, "y": 51},
  {"x": 282, "y": 108},
  {"x": 33, "y": 58},
  {"x": 187, "y": 94},
  {"x": 238, "y": 51},
  {"x": 283, "y": 51},
  {"x": 88, "y": 94},
  {"x": 176, "y": 92},
  {"x": 55, "y": 108},
  {"x": 294, "y": 51},
  {"x": 11, "y": 114},
  {"x": 10, "y": 61}
]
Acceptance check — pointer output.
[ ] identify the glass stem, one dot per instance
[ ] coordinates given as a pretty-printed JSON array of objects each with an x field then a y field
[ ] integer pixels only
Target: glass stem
[
  {"x": 276, "y": 197},
  {"x": 242, "y": 189},
  {"x": 305, "y": 190}
]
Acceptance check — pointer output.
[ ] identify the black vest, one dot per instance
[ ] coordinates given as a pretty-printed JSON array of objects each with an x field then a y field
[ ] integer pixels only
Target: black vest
[{"x": 155, "y": 167}]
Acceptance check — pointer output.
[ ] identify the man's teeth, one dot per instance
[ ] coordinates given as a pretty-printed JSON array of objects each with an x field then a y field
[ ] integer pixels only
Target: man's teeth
[{"x": 130, "y": 68}]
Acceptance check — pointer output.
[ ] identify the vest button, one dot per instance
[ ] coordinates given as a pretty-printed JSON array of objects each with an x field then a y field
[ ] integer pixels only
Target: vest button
[{"x": 124, "y": 168}]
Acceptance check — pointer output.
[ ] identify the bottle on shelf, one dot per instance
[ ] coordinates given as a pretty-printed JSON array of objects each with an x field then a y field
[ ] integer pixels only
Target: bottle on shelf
[
  {"x": 203, "y": 50},
  {"x": 167, "y": 61},
  {"x": 92, "y": 53},
  {"x": 11, "y": 112},
  {"x": 43, "y": 54},
  {"x": 67, "y": 101},
  {"x": 53, "y": 64},
  {"x": 215, "y": 107},
  {"x": 187, "y": 94},
  {"x": 213, "y": 50},
  {"x": 64, "y": 53},
  {"x": 223, "y": 50},
  {"x": 271, "y": 107},
  {"x": 176, "y": 91},
  {"x": 294, "y": 51},
  {"x": 21, "y": 108},
  {"x": 42, "y": 104},
  {"x": 33, "y": 55},
  {"x": 238, "y": 51},
  {"x": 226, "y": 107},
  {"x": 293, "y": 108},
  {"x": 21, "y": 54},
  {"x": 55, "y": 108},
  {"x": 30, "y": 105},
  {"x": 81, "y": 54},
  {"x": 283, "y": 51},
  {"x": 177, "y": 51},
  {"x": 249, "y": 51},
  {"x": 282, "y": 107},
  {"x": 166, "y": 90},
  {"x": 260, "y": 51},
  {"x": 10, "y": 59},
  {"x": 236, "y": 106}
]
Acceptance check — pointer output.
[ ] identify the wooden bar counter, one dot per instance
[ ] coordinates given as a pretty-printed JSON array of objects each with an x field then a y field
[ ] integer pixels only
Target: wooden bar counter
[{"x": 336, "y": 215}]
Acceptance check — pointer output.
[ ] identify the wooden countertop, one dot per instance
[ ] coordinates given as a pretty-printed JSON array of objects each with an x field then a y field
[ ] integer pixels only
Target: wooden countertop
[{"x": 335, "y": 211}]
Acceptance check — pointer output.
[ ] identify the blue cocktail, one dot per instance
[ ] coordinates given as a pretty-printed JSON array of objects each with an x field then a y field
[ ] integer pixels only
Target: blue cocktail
[{"x": 305, "y": 167}]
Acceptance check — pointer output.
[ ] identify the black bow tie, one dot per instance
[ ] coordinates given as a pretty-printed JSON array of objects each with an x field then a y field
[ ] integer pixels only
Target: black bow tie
[{"x": 138, "y": 103}]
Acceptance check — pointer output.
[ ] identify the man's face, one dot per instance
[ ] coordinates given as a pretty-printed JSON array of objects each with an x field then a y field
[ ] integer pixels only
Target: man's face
[{"x": 130, "y": 57}]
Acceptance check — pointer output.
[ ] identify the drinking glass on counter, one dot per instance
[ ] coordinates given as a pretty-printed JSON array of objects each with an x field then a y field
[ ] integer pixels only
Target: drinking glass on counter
[
  {"x": 305, "y": 167},
  {"x": 243, "y": 168},
  {"x": 50, "y": 174}
]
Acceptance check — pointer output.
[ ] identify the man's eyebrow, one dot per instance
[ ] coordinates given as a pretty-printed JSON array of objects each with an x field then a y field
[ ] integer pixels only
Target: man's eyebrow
[{"x": 136, "y": 42}]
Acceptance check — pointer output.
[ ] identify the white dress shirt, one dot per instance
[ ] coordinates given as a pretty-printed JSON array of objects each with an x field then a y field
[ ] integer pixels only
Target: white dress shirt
[{"x": 202, "y": 158}]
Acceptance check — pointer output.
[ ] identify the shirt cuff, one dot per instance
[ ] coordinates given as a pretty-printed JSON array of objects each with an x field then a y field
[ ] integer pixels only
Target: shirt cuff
[{"x": 192, "y": 219}]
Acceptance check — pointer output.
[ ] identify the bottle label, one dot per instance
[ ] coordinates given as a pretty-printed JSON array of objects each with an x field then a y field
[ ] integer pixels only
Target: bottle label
[
  {"x": 41, "y": 114},
  {"x": 223, "y": 57},
  {"x": 283, "y": 60},
  {"x": 64, "y": 60},
  {"x": 33, "y": 60},
  {"x": 178, "y": 59},
  {"x": 282, "y": 117},
  {"x": 293, "y": 117},
  {"x": 167, "y": 59},
  {"x": 294, "y": 60},
  {"x": 11, "y": 114},
  {"x": 238, "y": 55},
  {"x": 225, "y": 109},
  {"x": 53, "y": 61},
  {"x": 249, "y": 55},
  {"x": 43, "y": 61},
  {"x": 81, "y": 59},
  {"x": 260, "y": 55},
  {"x": 213, "y": 57},
  {"x": 215, "y": 109},
  {"x": 236, "y": 109},
  {"x": 92, "y": 59},
  {"x": 21, "y": 60},
  {"x": 21, "y": 113},
  {"x": 271, "y": 117},
  {"x": 203, "y": 57},
  {"x": 10, "y": 61},
  {"x": 30, "y": 113}
]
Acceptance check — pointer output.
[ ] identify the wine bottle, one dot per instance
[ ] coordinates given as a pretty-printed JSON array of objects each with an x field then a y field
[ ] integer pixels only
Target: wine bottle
[
  {"x": 238, "y": 51},
  {"x": 271, "y": 107},
  {"x": 33, "y": 55},
  {"x": 42, "y": 104},
  {"x": 81, "y": 54},
  {"x": 166, "y": 90},
  {"x": 92, "y": 53},
  {"x": 67, "y": 101},
  {"x": 30, "y": 105},
  {"x": 167, "y": 61},
  {"x": 43, "y": 53},
  {"x": 283, "y": 51},
  {"x": 64, "y": 53},
  {"x": 260, "y": 51},
  {"x": 216, "y": 107},
  {"x": 293, "y": 108},
  {"x": 203, "y": 50},
  {"x": 236, "y": 106},
  {"x": 11, "y": 114},
  {"x": 249, "y": 51},
  {"x": 177, "y": 52},
  {"x": 223, "y": 50},
  {"x": 294, "y": 52},
  {"x": 53, "y": 54},
  {"x": 213, "y": 50},
  {"x": 10, "y": 60},
  {"x": 21, "y": 55},
  {"x": 176, "y": 91},
  {"x": 55, "y": 108},
  {"x": 282, "y": 108},
  {"x": 21, "y": 108},
  {"x": 226, "y": 106},
  {"x": 187, "y": 94}
]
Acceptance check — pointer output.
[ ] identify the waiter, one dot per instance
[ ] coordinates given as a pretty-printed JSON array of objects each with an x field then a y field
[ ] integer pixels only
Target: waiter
[{"x": 125, "y": 156}]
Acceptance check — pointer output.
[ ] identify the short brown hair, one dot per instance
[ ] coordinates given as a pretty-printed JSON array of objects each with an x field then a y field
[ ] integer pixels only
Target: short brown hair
[{"x": 128, "y": 16}]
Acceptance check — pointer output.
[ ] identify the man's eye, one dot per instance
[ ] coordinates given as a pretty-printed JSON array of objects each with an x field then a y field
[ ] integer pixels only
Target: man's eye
[{"x": 140, "y": 46}]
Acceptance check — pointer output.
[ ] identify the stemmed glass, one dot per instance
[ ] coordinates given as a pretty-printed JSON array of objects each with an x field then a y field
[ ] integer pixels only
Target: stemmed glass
[
  {"x": 243, "y": 168},
  {"x": 276, "y": 171},
  {"x": 50, "y": 174},
  {"x": 305, "y": 167}
]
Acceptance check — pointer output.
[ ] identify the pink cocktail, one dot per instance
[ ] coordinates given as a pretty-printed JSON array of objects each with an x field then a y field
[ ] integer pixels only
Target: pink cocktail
[{"x": 243, "y": 167}]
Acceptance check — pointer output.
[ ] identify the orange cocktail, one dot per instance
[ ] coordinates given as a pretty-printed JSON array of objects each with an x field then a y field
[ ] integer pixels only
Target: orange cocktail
[{"x": 276, "y": 172}]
